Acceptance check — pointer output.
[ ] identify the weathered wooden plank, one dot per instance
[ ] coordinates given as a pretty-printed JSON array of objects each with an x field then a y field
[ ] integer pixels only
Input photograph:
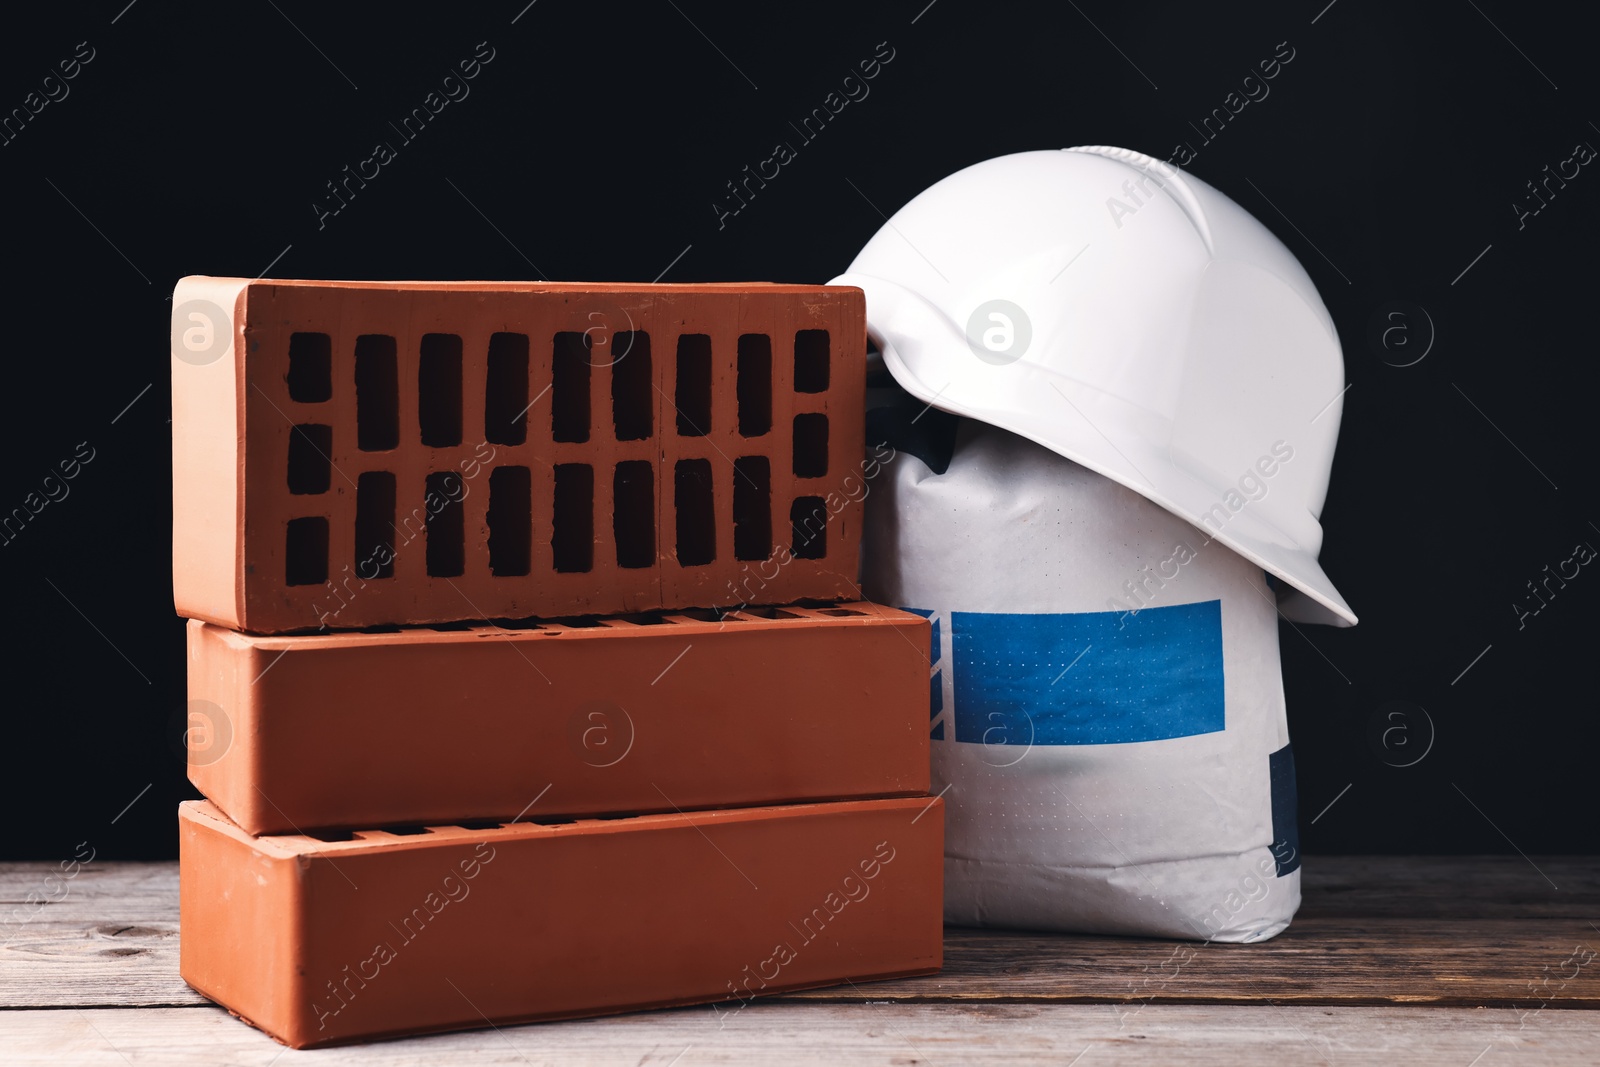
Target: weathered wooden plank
[
  {"x": 1464, "y": 931},
  {"x": 1003, "y": 1035},
  {"x": 107, "y": 936},
  {"x": 1503, "y": 963}
]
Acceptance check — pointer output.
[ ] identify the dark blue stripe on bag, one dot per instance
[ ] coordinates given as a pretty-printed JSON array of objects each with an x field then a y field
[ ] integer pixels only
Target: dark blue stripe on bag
[
  {"x": 1285, "y": 820},
  {"x": 1088, "y": 678}
]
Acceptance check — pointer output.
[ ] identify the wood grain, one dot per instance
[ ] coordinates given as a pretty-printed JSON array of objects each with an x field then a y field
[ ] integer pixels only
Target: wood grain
[
  {"x": 1450, "y": 931},
  {"x": 943, "y": 1035}
]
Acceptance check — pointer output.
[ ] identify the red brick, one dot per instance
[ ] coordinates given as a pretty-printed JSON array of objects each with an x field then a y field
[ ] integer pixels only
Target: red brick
[
  {"x": 301, "y": 731},
  {"x": 319, "y": 943},
  {"x": 256, "y": 503}
]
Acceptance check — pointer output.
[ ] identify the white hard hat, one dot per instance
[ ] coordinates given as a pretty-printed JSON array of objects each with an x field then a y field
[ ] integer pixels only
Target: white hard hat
[{"x": 1135, "y": 320}]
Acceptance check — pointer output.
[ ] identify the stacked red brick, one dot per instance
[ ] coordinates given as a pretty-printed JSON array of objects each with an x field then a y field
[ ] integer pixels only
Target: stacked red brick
[{"x": 471, "y": 568}]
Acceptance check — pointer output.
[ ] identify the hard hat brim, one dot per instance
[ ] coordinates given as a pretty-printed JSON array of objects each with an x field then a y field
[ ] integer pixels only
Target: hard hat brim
[{"x": 1071, "y": 429}]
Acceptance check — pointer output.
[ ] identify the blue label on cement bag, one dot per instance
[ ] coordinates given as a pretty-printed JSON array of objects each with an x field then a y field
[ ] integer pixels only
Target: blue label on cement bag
[{"x": 1088, "y": 678}]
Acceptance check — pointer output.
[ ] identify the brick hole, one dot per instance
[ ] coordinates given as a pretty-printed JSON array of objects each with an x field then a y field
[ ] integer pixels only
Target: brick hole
[
  {"x": 693, "y": 393},
  {"x": 510, "y": 521},
  {"x": 632, "y": 385},
  {"x": 386, "y": 628},
  {"x": 811, "y": 361},
  {"x": 633, "y": 513},
  {"x": 375, "y": 496},
  {"x": 460, "y": 626},
  {"x": 377, "y": 393},
  {"x": 330, "y": 836},
  {"x": 708, "y": 614},
  {"x": 305, "y": 551},
  {"x": 693, "y": 500},
  {"x": 310, "y": 469},
  {"x": 808, "y": 518},
  {"x": 572, "y": 518},
  {"x": 514, "y": 624},
  {"x": 752, "y": 507},
  {"x": 579, "y": 622},
  {"x": 612, "y": 816},
  {"x": 769, "y": 613},
  {"x": 505, "y": 399},
  {"x": 547, "y": 820},
  {"x": 439, "y": 390},
  {"x": 477, "y": 824},
  {"x": 754, "y": 385},
  {"x": 810, "y": 445},
  {"x": 840, "y": 612},
  {"x": 404, "y": 831},
  {"x": 446, "y": 524},
  {"x": 569, "y": 387},
  {"x": 647, "y": 618},
  {"x": 310, "y": 374}
]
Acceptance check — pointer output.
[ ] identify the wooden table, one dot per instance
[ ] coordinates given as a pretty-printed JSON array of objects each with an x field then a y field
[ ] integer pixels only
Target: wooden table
[{"x": 1470, "y": 961}]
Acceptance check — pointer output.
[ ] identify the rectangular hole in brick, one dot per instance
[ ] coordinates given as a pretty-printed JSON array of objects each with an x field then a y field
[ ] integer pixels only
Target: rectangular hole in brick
[
  {"x": 505, "y": 401},
  {"x": 439, "y": 390},
  {"x": 768, "y": 613},
  {"x": 811, "y": 361},
  {"x": 632, "y": 385},
  {"x": 377, "y": 393},
  {"x": 839, "y": 612},
  {"x": 810, "y": 445},
  {"x": 752, "y": 507},
  {"x": 388, "y": 628},
  {"x": 510, "y": 521},
  {"x": 374, "y": 525},
  {"x": 404, "y": 831},
  {"x": 310, "y": 467},
  {"x": 754, "y": 385},
  {"x": 647, "y": 618},
  {"x": 478, "y": 824},
  {"x": 633, "y": 513},
  {"x": 572, "y": 518},
  {"x": 310, "y": 374},
  {"x": 330, "y": 836},
  {"x": 693, "y": 390},
  {"x": 569, "y": 387},
  {"x": 305, "y": 551},
  {"x": 528, "y": 623},
  {"x": 446, "y": 554},
  {"x": 694, "y": 501},
  {"x": 579, "y": 622},
  {"x": 809, "y": 519},
  {"x": 716, "y": 615}
]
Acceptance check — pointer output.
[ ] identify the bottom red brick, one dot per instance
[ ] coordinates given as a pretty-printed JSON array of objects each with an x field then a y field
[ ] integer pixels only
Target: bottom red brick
[{"x": 319, "y": 942}]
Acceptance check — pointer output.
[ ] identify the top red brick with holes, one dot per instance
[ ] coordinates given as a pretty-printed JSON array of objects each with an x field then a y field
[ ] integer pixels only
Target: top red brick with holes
[{"x": 350, "y": 454}]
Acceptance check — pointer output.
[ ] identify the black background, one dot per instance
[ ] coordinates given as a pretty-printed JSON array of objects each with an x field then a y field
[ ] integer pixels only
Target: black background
[{"x": 593, "y": 147}]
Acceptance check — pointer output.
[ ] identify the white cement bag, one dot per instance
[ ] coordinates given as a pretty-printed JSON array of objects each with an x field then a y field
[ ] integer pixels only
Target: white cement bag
[{"x": 1107, "y": 711}]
